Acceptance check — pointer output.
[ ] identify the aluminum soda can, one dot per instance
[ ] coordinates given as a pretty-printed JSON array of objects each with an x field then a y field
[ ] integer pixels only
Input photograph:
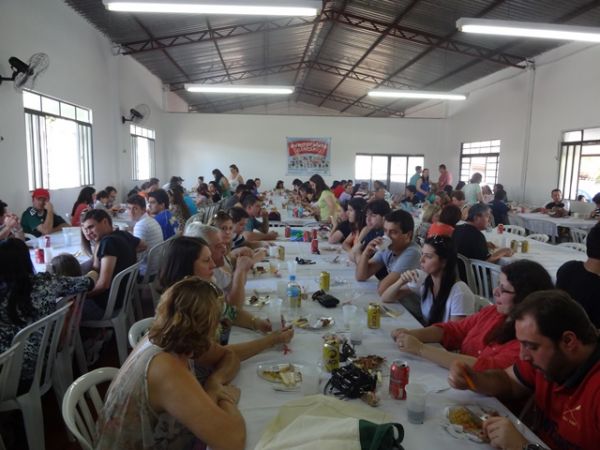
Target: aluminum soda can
[
  {"x": 288, "y": 231},
  {"x": 315, "y": 233},
  {"x": 514, "y": 246},
  {"x": 374, "y": 315},
  {"x": 324, "y": 281},
  {"x": 524, "y": 246},
  {"x": 295, "y": 212},
  {"x": 399, "y": 373},
  {"x": 331, "y": 355},
  {"x": 281, "y": 252},
  {"x": 39, "y": 256},
  {"x": 306, "y": 236},
  {"x": 314, "y": 246}
]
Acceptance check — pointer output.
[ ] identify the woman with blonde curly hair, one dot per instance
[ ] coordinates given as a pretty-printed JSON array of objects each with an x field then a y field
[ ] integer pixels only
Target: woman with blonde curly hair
[{"x": 156, "y": 401}]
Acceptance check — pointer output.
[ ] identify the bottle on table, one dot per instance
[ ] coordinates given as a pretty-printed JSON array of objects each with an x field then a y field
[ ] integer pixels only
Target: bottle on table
[{"x": 294, "y": 293}]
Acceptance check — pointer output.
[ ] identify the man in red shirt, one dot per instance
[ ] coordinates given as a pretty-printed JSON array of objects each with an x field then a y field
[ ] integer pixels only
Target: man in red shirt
[
  {"x": 445, "y": 178},
  {"x": 560, "y": 365}
]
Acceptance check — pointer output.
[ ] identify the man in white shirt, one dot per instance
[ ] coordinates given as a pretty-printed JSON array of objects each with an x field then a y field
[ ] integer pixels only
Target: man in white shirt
[{"x": 145, "y": 228}]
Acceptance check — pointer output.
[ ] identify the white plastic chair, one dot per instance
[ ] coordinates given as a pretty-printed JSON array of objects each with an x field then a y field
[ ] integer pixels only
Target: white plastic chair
[
  {"x": 539, "y": 237},
  {"x": 80, "y": 420},
  {"x": 574, "y": 245},
  {"x": 514, "y": 229},
  {"x": 138, "y": 330},
  {"x": 486, "y": 277},
  {"x": 48, "y": 330},
  {"x": 118, "y": 319},
  {"x": 577, "y": 235},
  {"x": 155, "y": 254},
  {"x": 468, "y": 272},
  {"x": 200, "y": 216},
  {"x": 69, "y": 346},
  {"x": 10, "y": 364}
]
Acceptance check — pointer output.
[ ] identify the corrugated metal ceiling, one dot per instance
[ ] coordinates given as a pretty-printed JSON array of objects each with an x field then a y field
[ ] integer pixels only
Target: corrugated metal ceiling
[{"x": 334, "y": 59}]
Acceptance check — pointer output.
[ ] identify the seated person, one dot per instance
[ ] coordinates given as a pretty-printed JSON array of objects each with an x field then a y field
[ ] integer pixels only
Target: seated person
[
  {"x": 486, "y": 339},
  {"x": 410, "y": 197},
  {"x": 85, "y": 201},
  {"x": 443, "y": 296},
  {"x": 236, "y": 198},
  {"x": 102, "y": 200},
  {"x": 458, "y": 198},
  {"x": 559, "y": 364},
  {"x": 401, "y": 255},
  {"x": 252, "y": 206},
  {"x": 595, "y": 214},
  {"x": 240, "y": 217},
  {"x": 449, "y": 217},
  {"x": 112, "y": 197},
  {"x": 581, "y": 279},
  {"x": 375, "y": 215},
  {"x": 26, "y": 297},
  {"x": 357, "y": 219},
  {"x": 470, "y": 241},
  {"x": 341, "y": 227},
  {"x": 39, "y": 219},
  {"x": 158, "y": 207},
  {"x": 431, "y": 214},
  {"x": 346, "y": 194},
  {"x": 115, "y": 252},
  {"x": 499, "y": 208},
  {"x": 156, "y": 401},
  {"x": 557, "y": 207},
  {"x": 145, "y": 228},
  {"x": 10, "y": 225}
]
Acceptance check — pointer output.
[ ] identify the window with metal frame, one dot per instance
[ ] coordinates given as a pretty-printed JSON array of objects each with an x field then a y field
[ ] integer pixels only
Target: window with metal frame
[
  {"x": 142, "y": 152},
  {"x": 59, "y": 142},
  {"x": 579, "y": 170},
  {"x": 393, "y": 170},
  {"x": 482, "y": 157}
]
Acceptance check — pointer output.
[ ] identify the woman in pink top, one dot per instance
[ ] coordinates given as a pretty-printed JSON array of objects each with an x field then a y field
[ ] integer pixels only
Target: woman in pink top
[
  {"x": 85, "y": 201},
  {"x": 486, "y": 340}
]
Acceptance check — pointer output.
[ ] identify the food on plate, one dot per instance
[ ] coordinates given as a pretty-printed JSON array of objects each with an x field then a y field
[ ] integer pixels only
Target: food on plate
[
  {"x": 301, "y": 322},
  {"x": 369, "y": 362},
  {"x": 309, "y": 323},
  {"x": 287, "y": 374},
  {"x": 469, "y": 421}
]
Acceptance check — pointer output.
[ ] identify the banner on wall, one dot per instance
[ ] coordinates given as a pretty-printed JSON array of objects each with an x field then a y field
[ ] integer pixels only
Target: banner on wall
[{"x": 307, "y": 156}]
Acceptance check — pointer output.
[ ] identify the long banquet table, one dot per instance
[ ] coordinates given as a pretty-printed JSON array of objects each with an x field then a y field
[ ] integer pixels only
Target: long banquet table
[
  {"x": 545, "y": 224},
  {"x": 260, "y": 403}
]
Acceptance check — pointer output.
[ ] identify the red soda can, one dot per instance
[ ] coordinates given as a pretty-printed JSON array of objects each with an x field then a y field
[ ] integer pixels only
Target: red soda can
[
  {"x": 306, "y": 236},
  {"x": 500, "y": 228},
  {"x": 314, "y": 246},
  {"x": 39, "y": 256},
  {"x": 399, "y": 372},
  {"x": 288, "y": 231},
  {"x": 47, "y": 241},
  {"x": 314, "y": 233},
  {"x": 295, "y": 212}
]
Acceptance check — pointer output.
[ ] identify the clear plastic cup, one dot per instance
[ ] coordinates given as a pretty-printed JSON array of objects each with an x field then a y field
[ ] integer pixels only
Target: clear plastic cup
[
  {"x": 349, "y": 311},
  {"x": 421, "y": 275},
  {"x": 416, "y": 396},
  {"x": 356, "y": 330},
  {"x": 385, "y": 243},
  {"x": 311, "y": 378},
  {"x": 274, "y": 313}
]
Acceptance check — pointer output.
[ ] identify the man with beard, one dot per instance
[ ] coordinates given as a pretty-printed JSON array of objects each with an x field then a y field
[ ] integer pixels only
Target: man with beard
[{"x": 560, "y": 365}]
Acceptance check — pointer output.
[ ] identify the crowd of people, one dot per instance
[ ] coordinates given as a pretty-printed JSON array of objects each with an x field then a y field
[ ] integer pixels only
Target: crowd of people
[{"x": 533, "y": 339}]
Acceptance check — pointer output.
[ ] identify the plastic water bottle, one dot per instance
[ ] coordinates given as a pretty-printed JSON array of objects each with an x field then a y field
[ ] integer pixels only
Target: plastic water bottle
[{"x": 294, "y": 293}]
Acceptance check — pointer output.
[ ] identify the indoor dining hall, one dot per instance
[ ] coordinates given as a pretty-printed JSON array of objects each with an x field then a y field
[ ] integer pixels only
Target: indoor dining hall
[{"x": 299, "y": 224}]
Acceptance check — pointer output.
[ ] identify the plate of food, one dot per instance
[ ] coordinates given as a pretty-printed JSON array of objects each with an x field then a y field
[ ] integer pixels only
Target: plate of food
[
  {"x": 330, "y": 248},
  {"x": 310, "y": 323},
  {"x": 369, "y": 362},
  {"x": 466, "y": 422},
  {"x": 257, "y": 300},
  {"x": 288, "y": 374}
]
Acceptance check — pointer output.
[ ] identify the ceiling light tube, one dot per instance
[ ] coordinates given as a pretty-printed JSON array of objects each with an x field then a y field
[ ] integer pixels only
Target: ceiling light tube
[
  {"x": 231, "y": 89},
  {"x": 304, "y": 8},
  {"x": 528, "y": 29},
  {"x": 425, "y": 95}
]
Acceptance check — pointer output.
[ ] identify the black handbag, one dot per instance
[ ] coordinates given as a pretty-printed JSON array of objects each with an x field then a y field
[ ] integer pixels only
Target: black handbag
[{"x": 326, "y": 300}]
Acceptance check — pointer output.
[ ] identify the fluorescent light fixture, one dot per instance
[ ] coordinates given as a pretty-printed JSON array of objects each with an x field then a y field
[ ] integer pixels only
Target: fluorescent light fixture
[
  {"x": 231, "y": 89},
  {"x": 528, "y": 29},
  {"x": 305, "y": 8},
  {"x": 425, "y": 95}
]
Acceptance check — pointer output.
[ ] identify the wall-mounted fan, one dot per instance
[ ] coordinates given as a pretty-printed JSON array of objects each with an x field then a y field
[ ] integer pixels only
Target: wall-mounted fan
[
  {"x": 25, "y": 74},
  {"x": 137, "y": 115}
]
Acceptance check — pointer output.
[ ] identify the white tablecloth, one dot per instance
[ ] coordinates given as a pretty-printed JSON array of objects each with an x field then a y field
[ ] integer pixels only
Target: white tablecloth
[
  {"x": 58, "y": 246},
  {"x": 259, "y": 402},
  {"x": 545, "y": 224},
  {"x": 548, "y": 255}
]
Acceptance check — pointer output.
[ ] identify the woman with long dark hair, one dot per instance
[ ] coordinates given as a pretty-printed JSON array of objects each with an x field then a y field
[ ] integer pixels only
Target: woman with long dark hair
[
  {"x": 357, "y": 217},
  {"x": 423, "y": 186},
  {"x": 235, "y": 179},
  {"x": 84, "y": 201},
  {"x": 26, "y": 297},
  {"x": 486, "y": 340},
  {"x": 327, "y": 205},
  {"x": 178, "y": 207},
  {"x": 443, "y": 296},
  {"x": 222, "y": 183}
]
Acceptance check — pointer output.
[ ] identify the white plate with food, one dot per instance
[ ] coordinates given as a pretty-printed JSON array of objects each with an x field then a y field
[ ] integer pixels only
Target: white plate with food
[
  {"x": 282, "y": 374},
  {"x": 466, "y": 422},
  {"x": 310, "y": 323},
  {"x": 257, "y": 300}
]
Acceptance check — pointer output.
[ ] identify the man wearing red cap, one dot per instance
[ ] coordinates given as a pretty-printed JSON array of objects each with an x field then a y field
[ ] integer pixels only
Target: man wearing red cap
[{"x": 40, "y": 219}]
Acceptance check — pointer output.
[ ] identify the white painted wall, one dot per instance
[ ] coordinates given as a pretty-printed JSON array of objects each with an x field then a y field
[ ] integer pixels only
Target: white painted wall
[
  {"x": 84, "y": 71},
  {"x": 198, "y": 143}
]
